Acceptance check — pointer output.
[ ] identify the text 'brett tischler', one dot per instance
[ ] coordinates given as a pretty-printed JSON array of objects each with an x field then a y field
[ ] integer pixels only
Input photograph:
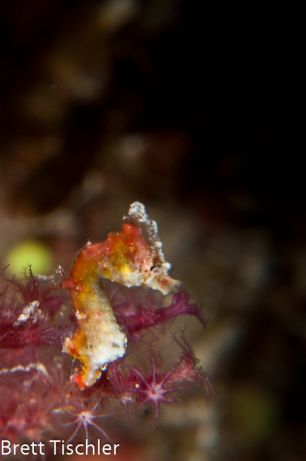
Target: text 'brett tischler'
[{"x": 58, "y": 447}]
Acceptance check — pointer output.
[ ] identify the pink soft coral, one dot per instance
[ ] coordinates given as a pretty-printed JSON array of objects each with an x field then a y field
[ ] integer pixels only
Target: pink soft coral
[{"x": 36, "y": 393}]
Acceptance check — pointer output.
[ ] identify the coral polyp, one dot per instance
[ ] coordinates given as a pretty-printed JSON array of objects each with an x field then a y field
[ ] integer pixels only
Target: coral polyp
[
  {"x": 83, "y": 418},
  {"x": 154, "y": 389}
]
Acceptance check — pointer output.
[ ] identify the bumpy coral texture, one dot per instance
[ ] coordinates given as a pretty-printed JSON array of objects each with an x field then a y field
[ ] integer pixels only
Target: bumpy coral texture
[{"x": 121, "y": 312}]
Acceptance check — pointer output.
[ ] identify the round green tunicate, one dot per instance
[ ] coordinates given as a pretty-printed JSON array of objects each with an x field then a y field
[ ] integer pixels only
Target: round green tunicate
[{"x": 29, "y": 253}]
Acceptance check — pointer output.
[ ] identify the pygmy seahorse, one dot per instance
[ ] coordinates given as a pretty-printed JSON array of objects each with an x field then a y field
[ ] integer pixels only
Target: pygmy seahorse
[{"x": 132, "y": 257}]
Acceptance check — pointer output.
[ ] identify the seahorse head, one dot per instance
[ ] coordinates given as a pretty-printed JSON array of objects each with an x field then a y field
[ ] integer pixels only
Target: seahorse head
[{"x": 130, "y": 259}]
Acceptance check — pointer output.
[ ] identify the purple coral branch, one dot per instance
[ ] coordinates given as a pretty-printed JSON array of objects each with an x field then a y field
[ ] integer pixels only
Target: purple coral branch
[{"x": 146, "y": 318}]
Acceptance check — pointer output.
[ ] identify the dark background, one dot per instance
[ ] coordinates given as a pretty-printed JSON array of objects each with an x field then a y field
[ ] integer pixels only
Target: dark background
[{"x": 185, "y": 109}]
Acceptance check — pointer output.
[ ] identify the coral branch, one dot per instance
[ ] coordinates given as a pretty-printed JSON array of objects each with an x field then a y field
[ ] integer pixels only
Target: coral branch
[{"x": 148, "y": 317}]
